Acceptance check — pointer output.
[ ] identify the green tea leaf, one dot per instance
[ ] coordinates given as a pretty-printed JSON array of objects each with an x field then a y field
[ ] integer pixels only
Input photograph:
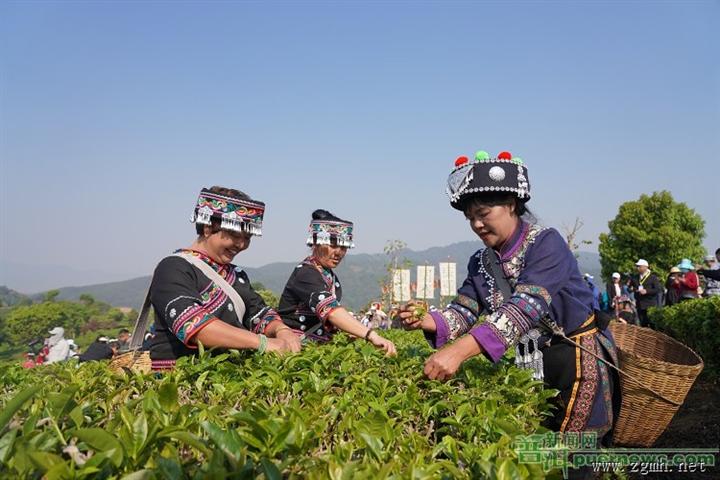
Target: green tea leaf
[
  {"x": 103, "y": 442},
  {"x": 15, "y": 404},
  {"x": 270, "y": 470}
]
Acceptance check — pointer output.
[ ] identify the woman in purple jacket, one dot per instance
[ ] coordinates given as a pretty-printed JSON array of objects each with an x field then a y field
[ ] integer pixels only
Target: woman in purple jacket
[{"x": 523, "y": 291}]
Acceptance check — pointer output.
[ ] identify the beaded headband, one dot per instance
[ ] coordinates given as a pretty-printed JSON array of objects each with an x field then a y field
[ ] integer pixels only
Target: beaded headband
[
  {"x": 323, "y": 232},
  {"x": 237, "y": 215}
]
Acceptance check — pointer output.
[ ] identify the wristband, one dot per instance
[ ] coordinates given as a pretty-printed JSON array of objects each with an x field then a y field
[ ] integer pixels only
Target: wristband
[
  {"x": 263, "y": 344},
  {"x": 367, "y": 335}
]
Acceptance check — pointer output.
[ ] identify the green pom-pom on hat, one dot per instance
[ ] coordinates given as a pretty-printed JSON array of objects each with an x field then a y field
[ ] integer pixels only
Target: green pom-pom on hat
[
  {"x": 481, "y": 155},
  {"x": 517, "y": 160}
]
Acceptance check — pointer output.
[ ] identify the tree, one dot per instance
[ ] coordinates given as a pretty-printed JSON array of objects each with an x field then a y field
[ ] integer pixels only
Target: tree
[
  {"x": 51, "y": 295},
  {"x": 86, "y": 298},
  {"x": 30, "y": 322},
  {"x": 571, "y": 233},
  {"x": 655, "y": 228}
]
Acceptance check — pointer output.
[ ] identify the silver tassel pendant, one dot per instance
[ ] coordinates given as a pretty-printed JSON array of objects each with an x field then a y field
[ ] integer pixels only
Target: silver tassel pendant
[{"x": 537, "y": 355}]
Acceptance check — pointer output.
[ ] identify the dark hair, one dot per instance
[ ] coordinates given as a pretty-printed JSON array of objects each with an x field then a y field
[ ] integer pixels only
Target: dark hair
[
  {"x": 123, "y": 330},
  {"x": 325, "y": 215},
  {"x": 225, "y": 192},
  {"x": 497, "y": 198},
  {"x": 717, "y": 252}
]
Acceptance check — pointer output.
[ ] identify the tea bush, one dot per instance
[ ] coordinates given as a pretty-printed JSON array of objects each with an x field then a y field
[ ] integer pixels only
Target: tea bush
[
  {"x": 694, "y": 323},
  {"x": 339, "y": 411}
]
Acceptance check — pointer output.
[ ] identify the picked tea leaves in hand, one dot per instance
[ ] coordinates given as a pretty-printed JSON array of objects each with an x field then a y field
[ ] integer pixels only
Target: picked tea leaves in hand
[{"x": 420, "y": 310}]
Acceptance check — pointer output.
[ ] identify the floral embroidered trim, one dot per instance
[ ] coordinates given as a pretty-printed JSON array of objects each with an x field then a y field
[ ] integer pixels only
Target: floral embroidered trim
[
  {"x": 456, "y": 322},
  {"x": 322, "y": 303},
  {"x": 526, "y": 307},
  {"x": 535, "y": 290},
  {"x": 503, "y": 326},
  {"x": 186, "y": 330},
  {"x": 218, "y": 267},
  {"x": 195, "y": 317},
  {"x": 516, "y": 262},
  {"x": 469, "y": 303},
  {"x": 586, "y": 383},
  {"x": 161, "y": 365},
  {"x": 263, "y": 319}
]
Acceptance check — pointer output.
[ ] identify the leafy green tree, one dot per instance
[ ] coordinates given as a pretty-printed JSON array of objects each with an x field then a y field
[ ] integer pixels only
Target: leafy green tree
[
  {"x": 656, "y": 228},
  {"x": 29, "y": 322},
  {"x": 51, "y": 295},
  {"x": 86, "y": 298}
]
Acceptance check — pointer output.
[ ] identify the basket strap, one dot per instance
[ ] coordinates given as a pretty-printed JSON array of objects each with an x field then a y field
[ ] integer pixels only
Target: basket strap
[
  {"x": 233, "y": 295},
  {"x": 141, "y": 324},
  {"x": 627, "y": 375}
]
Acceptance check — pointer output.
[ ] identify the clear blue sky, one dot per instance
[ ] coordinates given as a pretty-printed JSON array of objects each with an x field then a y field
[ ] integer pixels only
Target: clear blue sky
[{"x": 114, "y": 115}]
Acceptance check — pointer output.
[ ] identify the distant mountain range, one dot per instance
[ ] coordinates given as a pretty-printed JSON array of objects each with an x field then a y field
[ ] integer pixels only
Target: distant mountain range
[{"x": 360, "y": 275}]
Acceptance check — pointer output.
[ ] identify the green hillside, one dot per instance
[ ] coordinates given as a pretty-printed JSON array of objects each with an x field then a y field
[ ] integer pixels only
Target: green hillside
[{"x": 360, "y": 275}]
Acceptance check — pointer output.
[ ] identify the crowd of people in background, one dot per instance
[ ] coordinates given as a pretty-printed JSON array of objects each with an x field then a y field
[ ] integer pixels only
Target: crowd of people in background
[
  {"x": 57, "y": 348},
  {"x": 627, "y": 297},
  {"x": 630, "y": 296}
]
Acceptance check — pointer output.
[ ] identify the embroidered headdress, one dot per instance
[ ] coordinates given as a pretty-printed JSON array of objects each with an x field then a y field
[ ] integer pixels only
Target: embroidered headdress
[
  {"x": 235, "y": 214},
  {"x": 483, "y": 174},
  {"x": 326, "y": 229}
]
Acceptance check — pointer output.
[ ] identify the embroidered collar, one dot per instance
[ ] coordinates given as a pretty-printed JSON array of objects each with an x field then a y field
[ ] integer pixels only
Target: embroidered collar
[
  {"x": 513, "y": 261},
  {"x": 221, "y": 268},
  {"x": 512, "y": 244},
  {"x": 328, "y": 274}
]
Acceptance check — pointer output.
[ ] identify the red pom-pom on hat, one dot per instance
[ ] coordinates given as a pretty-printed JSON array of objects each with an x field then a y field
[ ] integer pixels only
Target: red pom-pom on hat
[
  {"x": 461, "y": 161},
  {"x": 504, "y": 156}
]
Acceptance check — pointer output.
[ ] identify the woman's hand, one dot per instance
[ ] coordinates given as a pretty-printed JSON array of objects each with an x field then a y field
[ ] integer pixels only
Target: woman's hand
[
  {"x": 445, "y": 363},
  {"x": 292, "y": 341},
  {"x": 442, "y": 364},
  {"x": 382, "y": 344},
  {"x": 408, "y": 315},
  {"x": 276, "y": 345}
]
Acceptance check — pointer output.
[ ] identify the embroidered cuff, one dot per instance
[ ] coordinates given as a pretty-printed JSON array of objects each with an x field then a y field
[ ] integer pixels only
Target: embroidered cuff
[
  {"x": 263, "y": 319},
  {"x": 322, "y": 304},
  {"x": 187, "y": 330},
  {"x": 468, "y": 304},
  {"x": 537, "y": 291}
]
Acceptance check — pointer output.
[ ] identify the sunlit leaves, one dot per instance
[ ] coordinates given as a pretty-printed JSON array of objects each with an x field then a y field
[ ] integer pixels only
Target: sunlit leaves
[{"x": 333, "y": 411}]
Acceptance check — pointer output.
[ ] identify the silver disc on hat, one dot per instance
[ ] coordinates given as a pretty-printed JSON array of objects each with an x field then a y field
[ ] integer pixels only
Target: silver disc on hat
[{"x": 497, "y": 173}]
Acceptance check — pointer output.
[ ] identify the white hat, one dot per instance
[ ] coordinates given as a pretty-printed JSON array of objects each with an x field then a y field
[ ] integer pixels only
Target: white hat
[
  {"x": 615, "y": 275},
  {"x": 642, "y": 263},
  {"x": 57, "y": 331},
  {"x": 587, "y": 275}
]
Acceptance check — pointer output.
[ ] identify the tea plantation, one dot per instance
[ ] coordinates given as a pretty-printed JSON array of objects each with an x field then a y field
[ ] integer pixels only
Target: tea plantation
[{"x": 340, "y": 411}]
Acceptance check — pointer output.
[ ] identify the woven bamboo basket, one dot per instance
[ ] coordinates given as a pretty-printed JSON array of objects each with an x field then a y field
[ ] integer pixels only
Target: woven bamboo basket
[
  {"x": 659, "y": 363},
  {"x": 133, "y": 361}
]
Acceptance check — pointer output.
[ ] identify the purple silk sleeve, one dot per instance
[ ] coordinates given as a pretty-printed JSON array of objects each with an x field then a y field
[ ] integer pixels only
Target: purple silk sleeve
[
  {"x": 493, "y": 348},
  {"x": 442, "y": 333}
]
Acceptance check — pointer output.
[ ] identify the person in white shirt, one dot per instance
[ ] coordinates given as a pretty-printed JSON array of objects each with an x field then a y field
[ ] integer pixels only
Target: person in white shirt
[{"x": 58, "y": 346}]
